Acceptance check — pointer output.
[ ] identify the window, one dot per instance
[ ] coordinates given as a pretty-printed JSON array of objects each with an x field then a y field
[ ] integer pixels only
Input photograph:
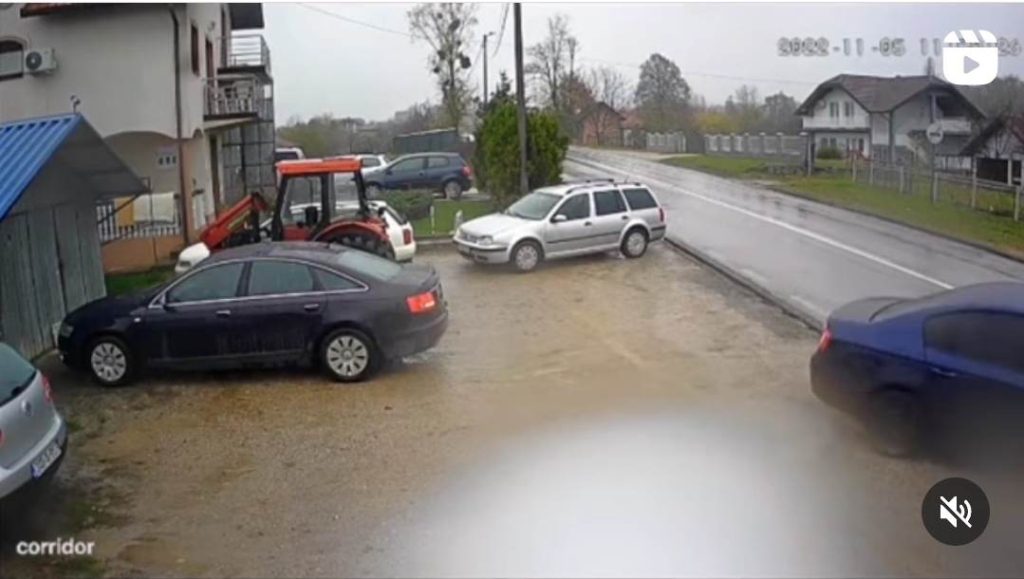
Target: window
[
  {"x": 608, "y": 203},
  {"x": 640, "y": 199},
  {"x": 334, "y": 282},
  {"x": 575, "y": 207},
  {"x": 534, "y": 206},
  {"x": 300, "y": 193},
  {"x": 986, "y": 337},
  {"x": 833, "y": 110},
  {"x": 12, "y": 59},
  {"x": 435, "y": 162},
  {"x": 370, "y": 162},
  {"x": 195, "y": 50},
  {"x": 414, "y": 164},
  {"x": 216, "y": 283},
  {"x": 847, "y": 109},
  {"x": 398, "y": 217},
  {"x": 210, "y": 72},
  {"x": 279, "y": 277},
  {"x": 15, "y": 372}
]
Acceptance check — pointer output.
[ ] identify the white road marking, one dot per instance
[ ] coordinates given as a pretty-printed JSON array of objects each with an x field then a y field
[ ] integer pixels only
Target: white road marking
[{"x": 798, "y": 230}]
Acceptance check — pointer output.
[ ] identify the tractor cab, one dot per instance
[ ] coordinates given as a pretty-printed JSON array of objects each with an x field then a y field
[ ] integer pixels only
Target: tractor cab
[{"x": 311, "y": 193}]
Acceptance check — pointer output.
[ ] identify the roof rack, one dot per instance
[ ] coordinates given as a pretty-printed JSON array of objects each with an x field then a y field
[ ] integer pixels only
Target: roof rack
[{"x": 579, "y": 184}]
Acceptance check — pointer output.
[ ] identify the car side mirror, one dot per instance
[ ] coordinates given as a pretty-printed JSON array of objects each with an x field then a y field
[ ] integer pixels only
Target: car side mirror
[
  {"x": 380, "y": 212},
  {"x": 560, "y": 218},
  {"x": 311, "y": 215}
]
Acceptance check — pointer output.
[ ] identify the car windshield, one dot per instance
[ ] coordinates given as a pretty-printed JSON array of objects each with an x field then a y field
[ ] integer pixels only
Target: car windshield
[
  {"x": 15, "y": 373},
  {"x": 534, "y": 206},
  {"x": 365, "y": 264}
]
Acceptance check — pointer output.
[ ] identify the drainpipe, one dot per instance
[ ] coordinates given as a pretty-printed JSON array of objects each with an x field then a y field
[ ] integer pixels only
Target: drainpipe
[{"x": 182, "y": 185}]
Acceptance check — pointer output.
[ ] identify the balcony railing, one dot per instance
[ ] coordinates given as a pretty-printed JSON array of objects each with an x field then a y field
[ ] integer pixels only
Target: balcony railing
[
  {"x": 236, "y": 96},
  {"x": 246, "y": 51}
]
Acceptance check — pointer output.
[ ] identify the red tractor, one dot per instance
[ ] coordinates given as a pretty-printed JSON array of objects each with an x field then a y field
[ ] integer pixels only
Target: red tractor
[{"x": 307, "y": 208}]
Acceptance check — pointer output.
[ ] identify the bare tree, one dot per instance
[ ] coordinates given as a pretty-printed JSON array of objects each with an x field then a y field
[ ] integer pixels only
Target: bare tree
[
  {"x": 662, "y": 95},
  {"x": 553, "y": 59},
  {"x": 448, "y": 29},
  {"x": 610, "y": 90}
]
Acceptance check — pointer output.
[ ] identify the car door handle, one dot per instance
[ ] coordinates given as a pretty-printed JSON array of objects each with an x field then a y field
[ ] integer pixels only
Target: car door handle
[
  {"x": 223, "y": 313},
  {"x": 625, "y": 217},
  {"x": 944, "y": 372},
  {"x": 311, "y": 307},
  {"x": 587, "y": 224}
]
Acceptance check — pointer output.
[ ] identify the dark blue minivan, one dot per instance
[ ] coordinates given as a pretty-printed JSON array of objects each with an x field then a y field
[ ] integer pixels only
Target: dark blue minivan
[{"x": 945, "y": 369}]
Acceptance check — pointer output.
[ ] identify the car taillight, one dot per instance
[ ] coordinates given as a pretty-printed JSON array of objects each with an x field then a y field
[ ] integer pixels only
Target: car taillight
[
  {"x": 467, "y": 171},
  {"x": 661, "y": 214},
  {"x": 47, "y": 389},
  {"x": 825, "y": 341},
  {"x": 406, "y": 236},
  {"x": 421, "y": 303}
]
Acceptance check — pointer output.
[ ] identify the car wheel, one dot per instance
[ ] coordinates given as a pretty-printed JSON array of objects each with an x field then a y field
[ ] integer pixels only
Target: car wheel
[
  {"x": 634, "y": 245},
  {"x": 349, "y": 355},
  {"x": 452, "y": 190},
  {"x": 895, "y": 422},
  {"x": 110, "y": 361},
  {"x": 527, "y": 256}
]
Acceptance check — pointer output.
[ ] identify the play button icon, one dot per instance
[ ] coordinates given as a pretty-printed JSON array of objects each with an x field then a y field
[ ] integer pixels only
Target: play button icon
[{"x": 970, "y": 64}]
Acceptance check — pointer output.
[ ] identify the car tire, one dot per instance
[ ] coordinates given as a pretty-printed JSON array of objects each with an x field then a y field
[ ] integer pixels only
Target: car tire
[
  {"x": 895, "y": 422},
  {"x": 367, "y": 244},
  {"x": 349, "y": 355},
  {"x": 452, "y": 190},
  {"x": 634, "y": 244},
  {"x": 526, "y": 256},
  {"x": 109, "y": 361}
]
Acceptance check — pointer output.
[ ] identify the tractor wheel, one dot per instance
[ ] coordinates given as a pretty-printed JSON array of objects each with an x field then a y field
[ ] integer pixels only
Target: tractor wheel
[{"x": 368, "y": 244}]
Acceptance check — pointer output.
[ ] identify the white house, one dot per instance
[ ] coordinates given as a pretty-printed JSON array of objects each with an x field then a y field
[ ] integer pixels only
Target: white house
[
  {"x": 886, "y": 117},
  {"x": 178, "y": 91}
]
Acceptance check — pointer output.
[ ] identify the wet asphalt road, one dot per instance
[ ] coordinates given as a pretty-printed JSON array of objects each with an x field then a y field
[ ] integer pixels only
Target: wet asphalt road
[
  {"x": 812, "y": 256},
  {"x": 599, "y": 417}
]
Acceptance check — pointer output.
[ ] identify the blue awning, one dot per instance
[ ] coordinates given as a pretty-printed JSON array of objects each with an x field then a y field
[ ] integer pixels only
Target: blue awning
[{"x": 27, "y": 146}]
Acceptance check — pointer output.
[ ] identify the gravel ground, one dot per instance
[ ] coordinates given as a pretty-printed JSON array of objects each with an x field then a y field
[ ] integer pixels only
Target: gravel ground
[{"x": 597, "y": 417}]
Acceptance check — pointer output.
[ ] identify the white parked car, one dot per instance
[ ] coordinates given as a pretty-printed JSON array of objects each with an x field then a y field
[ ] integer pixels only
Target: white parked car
[{"x": 399, "y": 229}]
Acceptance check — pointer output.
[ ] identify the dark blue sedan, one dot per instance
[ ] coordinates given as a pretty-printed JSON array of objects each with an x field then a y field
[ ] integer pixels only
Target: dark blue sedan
[
  {"x": 944, "y": 369},
  {"x": 263, "y": 304}
]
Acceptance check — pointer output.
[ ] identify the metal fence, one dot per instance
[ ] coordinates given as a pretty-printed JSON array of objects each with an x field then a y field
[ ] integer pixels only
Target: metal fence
[
  {"x": 941, "y": 188},
  {"x": 790, "y": 148},
  {"x": 150, "y": 215}
]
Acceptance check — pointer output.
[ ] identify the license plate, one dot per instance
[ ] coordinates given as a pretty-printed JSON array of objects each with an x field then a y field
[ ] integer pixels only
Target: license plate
[
  {"x": 44, "y": 460},
  {"x": 465, "y": 250}
]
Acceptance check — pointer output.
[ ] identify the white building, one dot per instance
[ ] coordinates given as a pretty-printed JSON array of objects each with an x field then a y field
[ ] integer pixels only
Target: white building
[
  {"x": 178, "y": 91},
  {"x": 886, "y": 117}
]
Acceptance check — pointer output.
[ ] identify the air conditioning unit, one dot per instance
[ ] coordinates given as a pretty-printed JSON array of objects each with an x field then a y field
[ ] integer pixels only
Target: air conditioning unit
[{"x": 40, "y": 61}]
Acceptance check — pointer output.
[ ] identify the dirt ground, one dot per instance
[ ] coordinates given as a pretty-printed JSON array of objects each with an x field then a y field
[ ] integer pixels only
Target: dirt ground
[{"x": 599, "y": 416}]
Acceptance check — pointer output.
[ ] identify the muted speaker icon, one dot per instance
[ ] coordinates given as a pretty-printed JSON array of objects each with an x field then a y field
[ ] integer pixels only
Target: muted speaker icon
[{"x": 953, "y": 513}]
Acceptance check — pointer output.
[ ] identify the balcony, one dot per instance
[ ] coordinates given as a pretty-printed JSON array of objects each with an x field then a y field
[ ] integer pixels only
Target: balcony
[
  {"x": 233, "y": 98},
  {"x": 245, "y": 54}
]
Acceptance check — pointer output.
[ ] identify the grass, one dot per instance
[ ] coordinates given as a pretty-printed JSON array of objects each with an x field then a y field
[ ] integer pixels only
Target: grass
[
  {"x": 122, "y": 283},
  {"x": 991, "y": 228},
  {"x": 444, "y": 216}
]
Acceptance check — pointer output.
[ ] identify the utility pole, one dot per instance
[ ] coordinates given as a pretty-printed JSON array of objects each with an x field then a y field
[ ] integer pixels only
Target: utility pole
[
  {"x": 485, "y": 99},
  {"x": 524, "y": 184}
]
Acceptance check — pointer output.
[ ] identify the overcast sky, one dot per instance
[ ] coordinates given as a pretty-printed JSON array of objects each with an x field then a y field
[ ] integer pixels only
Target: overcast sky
[{"x": 324, "y": 64}]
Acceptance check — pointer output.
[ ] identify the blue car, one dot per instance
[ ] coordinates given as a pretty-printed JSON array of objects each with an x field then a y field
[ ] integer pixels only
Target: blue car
[
  {"x": 447, "y": 173},
  {"x": 943, "y": 370}
]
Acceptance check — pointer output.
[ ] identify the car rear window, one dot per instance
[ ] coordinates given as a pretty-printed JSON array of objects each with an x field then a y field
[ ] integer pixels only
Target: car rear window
[
  {"x": 15, "y": 373},
  {"x": 639, "y": 199},
  {"x": 987, "y": 337},
  {"x": 437, "y": 162},
  {"x": 364, "y": 264},
  {"x": 608, "y": 202}
]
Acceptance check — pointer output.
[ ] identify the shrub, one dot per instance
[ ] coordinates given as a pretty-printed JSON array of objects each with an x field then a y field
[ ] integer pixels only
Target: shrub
[
  {"x": 829, "y": 153},
  {"x": 497, "y": 153},
  {"x": 412, "y": 204}
]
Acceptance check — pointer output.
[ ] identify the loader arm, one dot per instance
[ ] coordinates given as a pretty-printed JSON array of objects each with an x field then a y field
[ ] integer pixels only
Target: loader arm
[{"x": 236, "y": 226}]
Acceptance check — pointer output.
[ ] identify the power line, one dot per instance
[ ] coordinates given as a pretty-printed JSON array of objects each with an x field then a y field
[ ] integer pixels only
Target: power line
[
  {"x": 707, "y": 74},
  {"x": 359, "y": 22},
  {"x": 501, "y": 30}
]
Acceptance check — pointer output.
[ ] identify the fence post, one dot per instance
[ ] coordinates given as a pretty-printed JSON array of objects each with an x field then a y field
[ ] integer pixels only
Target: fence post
[
  {"x": 935, "y": 187},
  {"x": 871, "y": 171},
  {"x": 854, "y": 165},
  {"x": 901, "y": 178},
  {"x": 1017, "y": 202},
  {"x": 974, "y": 182}
]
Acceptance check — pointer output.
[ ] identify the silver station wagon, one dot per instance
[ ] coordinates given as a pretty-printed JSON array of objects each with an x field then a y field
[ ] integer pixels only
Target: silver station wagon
[{"x": 563, "y": 221}]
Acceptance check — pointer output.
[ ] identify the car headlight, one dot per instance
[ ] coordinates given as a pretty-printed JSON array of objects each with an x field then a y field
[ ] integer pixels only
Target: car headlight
[
  {"x": 485, "y": 240},
  {"x": 66, "y": 329}
]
